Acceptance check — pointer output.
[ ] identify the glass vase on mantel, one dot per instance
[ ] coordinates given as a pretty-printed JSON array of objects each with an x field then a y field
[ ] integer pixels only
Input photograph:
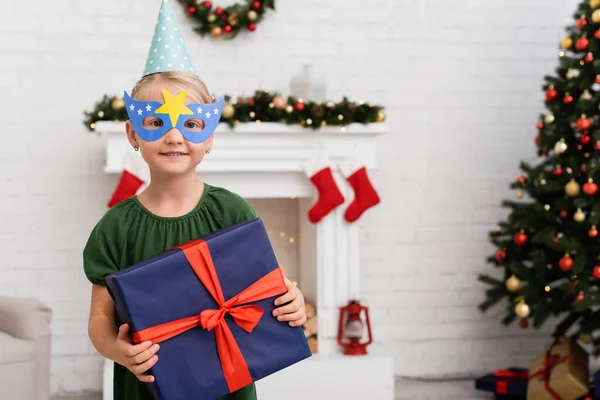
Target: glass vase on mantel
[{"x": 308, "y": 87}]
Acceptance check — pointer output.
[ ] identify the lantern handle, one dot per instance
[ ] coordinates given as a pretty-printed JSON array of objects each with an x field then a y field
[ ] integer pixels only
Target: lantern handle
[{"x": 368, "y": 326}]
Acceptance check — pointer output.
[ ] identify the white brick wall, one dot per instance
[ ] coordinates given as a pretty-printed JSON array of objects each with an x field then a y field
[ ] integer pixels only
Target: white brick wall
[{"x": 461, "y": 83}]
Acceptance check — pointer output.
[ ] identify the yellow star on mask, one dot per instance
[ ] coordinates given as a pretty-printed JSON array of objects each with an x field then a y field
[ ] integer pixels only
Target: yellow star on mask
[{"x": 174, "y": 106}]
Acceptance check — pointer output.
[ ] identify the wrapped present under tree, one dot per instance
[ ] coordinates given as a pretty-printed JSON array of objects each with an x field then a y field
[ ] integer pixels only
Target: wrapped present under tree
[{"x": 560, "y": 373}]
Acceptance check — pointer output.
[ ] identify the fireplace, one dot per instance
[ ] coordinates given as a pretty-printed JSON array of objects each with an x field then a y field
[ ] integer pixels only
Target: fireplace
[{"x": 265, "y": 163}]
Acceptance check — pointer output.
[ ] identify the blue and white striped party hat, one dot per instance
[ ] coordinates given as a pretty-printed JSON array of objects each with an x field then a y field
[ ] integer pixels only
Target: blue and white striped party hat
[{"x": 168, "y": 51}]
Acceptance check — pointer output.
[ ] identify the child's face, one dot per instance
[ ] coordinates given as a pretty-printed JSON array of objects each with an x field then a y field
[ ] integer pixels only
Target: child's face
[{"x": 172, "y": 154}]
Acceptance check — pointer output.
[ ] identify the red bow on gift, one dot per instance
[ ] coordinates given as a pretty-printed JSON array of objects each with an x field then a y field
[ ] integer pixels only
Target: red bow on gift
[
  {"x": 235, "y": 369},
  {"x": 550, "y": 362},
  {"x": 508, "y": 375}
]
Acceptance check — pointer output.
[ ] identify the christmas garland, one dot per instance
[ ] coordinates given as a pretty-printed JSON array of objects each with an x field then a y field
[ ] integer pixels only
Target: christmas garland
[
  {"x": 227, "y": 22},
  {"x": 262, "y": 107}
]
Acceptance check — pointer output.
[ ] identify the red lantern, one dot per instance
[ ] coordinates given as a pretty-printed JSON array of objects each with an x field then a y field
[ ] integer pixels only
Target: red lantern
[{"x": 351, "y": 329}]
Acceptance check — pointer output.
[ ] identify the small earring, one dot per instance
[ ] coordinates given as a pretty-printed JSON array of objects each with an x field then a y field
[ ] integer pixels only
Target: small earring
[
  {"x": 136, "y": 148},
  {"x": 208, "y": 151}
]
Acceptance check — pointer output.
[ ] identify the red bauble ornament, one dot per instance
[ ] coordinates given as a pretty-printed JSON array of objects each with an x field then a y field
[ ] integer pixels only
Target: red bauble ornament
[
  {"x": 537, "y": 139},
  {"x": 551, "y": 94},
  {"x": 256, "y": 5},
  {"x": 251, "y": 26},
  {"x": 597, "y": 34},
  {"x": 586, "y": 139},
  {"x": 227, "y": 28},
  {"x": 589, "y": 58},
  {"x": 593, "y": 232},
  {"x": 299, "y": 106},
  {"x": 590, "y": 188},
  {"x": 500, "y": 255},
  {"x": 581, "y": 22},
  {"x": 540, "y": 125},
  {"x": 566, "y": 263},
  {"x": 582, "y": 44},
  {"x": 207, "y": 4},
  {"x": 191, "y": 10},
  {"x": 219, "y": 10},
  {"x": 520, "y": 239},
  {"x": 521, "y": 179},
  {"x": 251, "y": 102},
  {"x": 564, "y": 214},
  {"x": 583, "y": 124},
  {"x": 557, "y": 171},
  {"x": 523, "y": 323},
  {"x": 597, "y": 78},
  {"x": 568, "y": 99},
  {"x": 596, "y": 272},
  {"x": 597, "y": 146},
  {"x": 579, "y": 297}
]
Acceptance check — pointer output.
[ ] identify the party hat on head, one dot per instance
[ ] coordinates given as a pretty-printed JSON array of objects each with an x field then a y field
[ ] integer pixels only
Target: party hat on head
[{"x": 168, "y": 51}]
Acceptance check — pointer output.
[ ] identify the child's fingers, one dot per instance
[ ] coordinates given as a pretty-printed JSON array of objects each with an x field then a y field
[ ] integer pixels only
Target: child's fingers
[
  {"x": 146, "y": 378},
  {"x": 145, "y": 355},
  {"x": 139, "y": 369},
  {"x": 285, "y": 298},
  {"x": 294, "y": 316},
  {"x": 136, "y": 349},
  {"x": 123, "y": 331},
  {"x": 287, "y": 309}
]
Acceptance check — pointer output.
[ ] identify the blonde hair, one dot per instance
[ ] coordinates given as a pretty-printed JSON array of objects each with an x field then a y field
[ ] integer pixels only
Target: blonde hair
[{"x": 181, "y": 80}]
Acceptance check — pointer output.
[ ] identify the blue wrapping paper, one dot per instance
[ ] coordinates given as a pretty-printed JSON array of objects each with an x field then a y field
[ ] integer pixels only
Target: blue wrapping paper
[
  {"x": 516, "y": 388},
  {"x": 165, "y": 288}
]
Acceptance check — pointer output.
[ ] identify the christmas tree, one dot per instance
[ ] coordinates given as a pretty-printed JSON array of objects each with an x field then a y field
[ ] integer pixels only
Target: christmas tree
[{"x": 548, "y": 247}]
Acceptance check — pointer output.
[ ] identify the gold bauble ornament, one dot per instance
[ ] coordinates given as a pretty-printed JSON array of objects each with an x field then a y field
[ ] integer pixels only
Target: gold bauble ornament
[
  {"x": 519, "y": 194},
  {"x": 252, "y": 15},
  {"x": 289, "y": 109},
  {"x": 233, "y": 19},
  {"x": 228, "y": 111},
  {"x": 216, "y": 31},
  {"x": 549, "y": 118},
  {"x": 522, "y": 310},
  {"x": 212, "y": 18},
  {"x": 594, "y": 4},
  {"x": 566, "y": 43},
  {"x": 579, "y": 215},
  {"x": 280, "y": 103},
  {"x": 586, "y": 95},
  {"x": 596, "y": 16},
  {"x": 560, "y": 147},
  {"x": 572, "y": 188},
  {"x": 380, "y": 116},
  {"x": 512, "y": 283},
  {"x": 585, "y": 337},
  {"x": 117, "y": 104}
]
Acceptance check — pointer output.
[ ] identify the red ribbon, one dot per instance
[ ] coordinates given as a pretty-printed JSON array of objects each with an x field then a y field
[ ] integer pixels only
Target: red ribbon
[
  {"x": 550, "y": 362},
  {"x": 507, "y": 376},
  {"x": 235, "y": 369}
]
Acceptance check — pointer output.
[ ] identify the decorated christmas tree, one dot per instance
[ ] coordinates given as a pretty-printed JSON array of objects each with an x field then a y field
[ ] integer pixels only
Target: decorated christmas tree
[{"x": 549, "y": 247}]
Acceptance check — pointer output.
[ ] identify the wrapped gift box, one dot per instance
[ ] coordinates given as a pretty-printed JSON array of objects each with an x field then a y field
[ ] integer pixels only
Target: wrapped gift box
[
  {"x": 560, "y": 373},
  {"x": 505, "y": 384},
  {"x": 209, "y": 303}
]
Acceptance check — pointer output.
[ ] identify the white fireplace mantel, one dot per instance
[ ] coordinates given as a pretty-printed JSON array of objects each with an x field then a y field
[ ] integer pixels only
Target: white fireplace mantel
[{"x": 271, "y": 160}]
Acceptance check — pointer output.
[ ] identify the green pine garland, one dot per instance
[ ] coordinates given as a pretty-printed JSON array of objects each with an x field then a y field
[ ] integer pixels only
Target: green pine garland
[
  {"x": 262, "y": 107},
  {"x": 226, "y": 22}
]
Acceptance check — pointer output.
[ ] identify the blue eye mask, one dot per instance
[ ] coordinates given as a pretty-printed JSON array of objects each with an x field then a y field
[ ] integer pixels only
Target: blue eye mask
[{"x": 174, "y": 113}]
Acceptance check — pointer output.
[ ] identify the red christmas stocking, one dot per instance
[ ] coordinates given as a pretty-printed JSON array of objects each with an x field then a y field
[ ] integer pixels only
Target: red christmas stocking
[
  {"x": 126, "y": 188},
  {"x": 365, "y": 195},
  {"x": 330, "y": 196}
]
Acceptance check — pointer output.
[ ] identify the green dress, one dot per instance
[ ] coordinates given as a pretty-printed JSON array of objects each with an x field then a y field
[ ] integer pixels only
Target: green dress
[{"x": 129, "y": 233}]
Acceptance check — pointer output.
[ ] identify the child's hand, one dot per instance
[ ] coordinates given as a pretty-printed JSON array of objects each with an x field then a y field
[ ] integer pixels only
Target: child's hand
[
  {"x": 137, "y": 358},
  {"x": 295, "y": 311}
]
